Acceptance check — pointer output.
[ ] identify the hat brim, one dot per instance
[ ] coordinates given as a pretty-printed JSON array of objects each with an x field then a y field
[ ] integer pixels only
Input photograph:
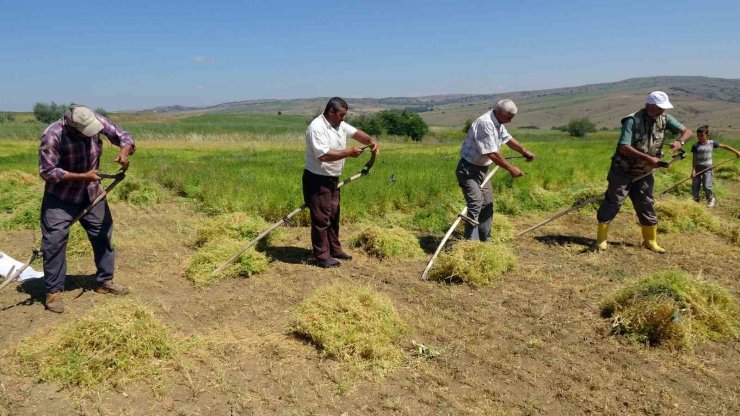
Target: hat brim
[
  {"x": 93, "y": 128},
  {"x": 665, "y": 106}
]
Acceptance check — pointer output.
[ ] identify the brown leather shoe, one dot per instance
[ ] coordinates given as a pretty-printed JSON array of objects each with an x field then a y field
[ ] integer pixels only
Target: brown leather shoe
[
  {"x": 110, "y": 288},
  {"x": 54, "y": 302}
]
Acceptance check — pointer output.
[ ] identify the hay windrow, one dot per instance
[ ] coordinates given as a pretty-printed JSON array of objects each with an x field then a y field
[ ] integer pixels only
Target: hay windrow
[
  {"x": 352, "y": 323},
  {"x": 673, "y": 309},
  {"x": 387, "y": 243},
  {"x": 684, "y": 215},
  {"x": 115, "y": 342},
  {"x": 213, "y": 253},
  {"x": 474, "y": 263},
  {"x": 235, "y": 226}
]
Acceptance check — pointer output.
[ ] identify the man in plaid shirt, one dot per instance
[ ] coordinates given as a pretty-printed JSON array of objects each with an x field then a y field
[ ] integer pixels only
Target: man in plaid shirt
[
  {"x": 479, "y": 150},
  {"x": 69, "y": 158}
]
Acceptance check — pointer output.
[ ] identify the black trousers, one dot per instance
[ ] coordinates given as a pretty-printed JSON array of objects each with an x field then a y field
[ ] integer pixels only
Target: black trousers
[{"x": 322, "y": 197}]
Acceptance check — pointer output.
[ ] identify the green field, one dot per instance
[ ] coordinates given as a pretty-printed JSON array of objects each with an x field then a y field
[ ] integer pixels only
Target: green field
[{"x": 253, "y": 163}]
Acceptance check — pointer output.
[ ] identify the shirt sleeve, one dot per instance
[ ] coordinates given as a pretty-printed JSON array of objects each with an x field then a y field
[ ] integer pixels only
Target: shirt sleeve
[
  {"x": 628, "y": 124},
  {"x": 715, "y": 145},
  {"x": 693, "y": 147},
  {"x": 115, "y": 134},
  {"x": 318, "y": 141},
  {"x": 349, "y": 130},
  {"x": 505, "y": 136},
  {"x": 672, "y": 124},
  {"x": 49, "y": 157}
]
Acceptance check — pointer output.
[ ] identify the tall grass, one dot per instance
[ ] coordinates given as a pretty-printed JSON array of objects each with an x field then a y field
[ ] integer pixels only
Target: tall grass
[{"x": 254, "y": 163}]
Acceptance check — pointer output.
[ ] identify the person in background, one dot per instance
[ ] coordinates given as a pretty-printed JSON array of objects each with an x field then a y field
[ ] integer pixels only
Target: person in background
[{"x": 702, "y": 159}]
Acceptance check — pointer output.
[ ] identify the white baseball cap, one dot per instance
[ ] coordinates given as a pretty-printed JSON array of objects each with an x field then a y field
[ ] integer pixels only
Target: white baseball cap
[
  {"x": 83, "y": 120},
  {"x": 660, "y": 99}
]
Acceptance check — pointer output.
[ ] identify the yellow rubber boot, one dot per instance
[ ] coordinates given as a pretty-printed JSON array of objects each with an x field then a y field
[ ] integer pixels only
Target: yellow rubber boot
[
  {"x": 649, "y": 238},
  {"x": 601, "y": 233}
]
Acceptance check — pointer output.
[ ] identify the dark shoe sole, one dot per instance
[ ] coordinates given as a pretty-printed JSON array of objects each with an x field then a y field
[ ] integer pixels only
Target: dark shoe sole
[
  {"x": 343, "y": 256},
  {"x": 328, "y": 265}
]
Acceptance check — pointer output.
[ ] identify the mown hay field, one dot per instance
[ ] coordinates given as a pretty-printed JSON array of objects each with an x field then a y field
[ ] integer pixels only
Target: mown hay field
[{"x": 529, "y": 338}]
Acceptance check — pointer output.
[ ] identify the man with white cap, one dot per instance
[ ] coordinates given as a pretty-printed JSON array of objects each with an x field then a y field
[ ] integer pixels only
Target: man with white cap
[
  {"x": 638, "y": 152},
  {"x": 69, "y": 158}
]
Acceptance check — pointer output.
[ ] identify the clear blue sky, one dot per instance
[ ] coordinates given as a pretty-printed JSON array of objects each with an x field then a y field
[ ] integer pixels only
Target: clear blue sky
[{"x": 134, "y": 54}]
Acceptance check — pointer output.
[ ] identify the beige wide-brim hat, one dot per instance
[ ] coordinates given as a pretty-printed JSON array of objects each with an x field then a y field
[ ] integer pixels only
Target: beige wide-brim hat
[{"x": 83, "y": 120}]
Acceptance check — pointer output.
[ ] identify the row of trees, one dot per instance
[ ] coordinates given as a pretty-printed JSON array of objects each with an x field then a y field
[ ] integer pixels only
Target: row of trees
[
  {"x": 394, "y": 122},
  {"x": 48, "y": 113}
]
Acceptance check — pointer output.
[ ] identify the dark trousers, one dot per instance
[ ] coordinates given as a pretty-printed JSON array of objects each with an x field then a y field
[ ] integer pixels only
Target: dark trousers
[
  {"x": 620, "y": 187},
  {"x": 479, "y": 200},
  {"x": 56, "y": 220},
  {"x": 321, "y": 195}
]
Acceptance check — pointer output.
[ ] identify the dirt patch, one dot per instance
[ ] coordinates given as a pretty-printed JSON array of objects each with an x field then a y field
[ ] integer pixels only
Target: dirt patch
[{"x": 532, "y": 344}]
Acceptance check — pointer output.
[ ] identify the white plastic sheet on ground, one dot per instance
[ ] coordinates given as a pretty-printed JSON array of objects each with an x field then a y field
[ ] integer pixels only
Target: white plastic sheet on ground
[{"x": 7, "y": 262}]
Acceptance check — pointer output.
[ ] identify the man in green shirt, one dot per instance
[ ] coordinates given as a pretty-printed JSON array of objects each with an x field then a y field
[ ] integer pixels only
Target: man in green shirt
[{"x": 638, "y": 152}]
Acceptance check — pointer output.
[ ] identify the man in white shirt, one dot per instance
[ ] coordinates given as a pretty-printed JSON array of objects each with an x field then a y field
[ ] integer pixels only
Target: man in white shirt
[
  {"x": 326, "y": 149},
  {"x": 481, "y": 148}
]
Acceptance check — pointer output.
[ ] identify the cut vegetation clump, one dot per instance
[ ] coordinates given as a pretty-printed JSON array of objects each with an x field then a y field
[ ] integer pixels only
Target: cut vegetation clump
[
  {"x": 138, "y": 192},
  {"x": 501, "y": 229},
  {"x": 212, "y": 254},
  {"x": 115, "y": 342},
  {"x": 474, "y": 263},
  {"x": 684, "y": 215},
  {"x": 387, "y": 243},
  {"x": 673, "y": 309},
  {"x": 235, "y": 226},
  {"x": 353, "y": 324}
]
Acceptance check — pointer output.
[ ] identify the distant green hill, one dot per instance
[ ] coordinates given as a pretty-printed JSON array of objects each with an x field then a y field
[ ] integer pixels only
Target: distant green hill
[{"x": 698, "y": 100}]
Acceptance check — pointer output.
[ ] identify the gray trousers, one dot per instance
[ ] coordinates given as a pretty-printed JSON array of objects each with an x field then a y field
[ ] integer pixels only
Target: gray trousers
[
  {"x": 703, "y": 180},
  {"x": 56, "y": 220},
  {"x": 640, "y": 192},
  {"x": 479, "y": 201}
]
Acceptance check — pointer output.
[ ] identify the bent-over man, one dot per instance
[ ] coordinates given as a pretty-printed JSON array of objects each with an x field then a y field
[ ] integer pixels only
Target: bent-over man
[
  {"x": 69, "y": 158},
  {"x": 479, "y": 150},
  {"x": 638, "y": 153}
]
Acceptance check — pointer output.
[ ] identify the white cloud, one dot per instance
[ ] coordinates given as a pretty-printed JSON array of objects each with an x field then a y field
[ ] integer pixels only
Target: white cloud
[{"x": 202, "y": 59}]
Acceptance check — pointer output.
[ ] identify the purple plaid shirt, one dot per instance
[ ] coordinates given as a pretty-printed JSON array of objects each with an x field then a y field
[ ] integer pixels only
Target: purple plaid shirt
[{"x": 62, "y": 150}]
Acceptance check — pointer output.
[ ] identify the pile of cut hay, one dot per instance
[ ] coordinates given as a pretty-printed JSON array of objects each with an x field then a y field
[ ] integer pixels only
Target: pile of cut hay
[
  {"x": 672, "y": 308},
  {"x": 352, "y": 323},
  {"x": 211, "y": 255},
  {"x": 115, "y": 342},
  {"x": 474, "y": 263},
  {"x": 220, "y": 237},
  {"x": 684, "y": 215},
  {"x": 387, "y": 243}
]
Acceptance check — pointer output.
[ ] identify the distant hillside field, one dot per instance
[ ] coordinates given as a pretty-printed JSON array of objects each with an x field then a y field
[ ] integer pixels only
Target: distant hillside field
[{"x": 698, "y": 100}]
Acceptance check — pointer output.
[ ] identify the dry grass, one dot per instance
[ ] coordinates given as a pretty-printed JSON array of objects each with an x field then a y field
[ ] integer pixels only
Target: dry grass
[
  {"x": 352, "y": 323},
  {"x": 672, "y": 308},
  {"x": 202, "y": 264},
  {"x": 684, "y": 215},
  {"x": 115, "y": 342},
  {"x": 474, "y": 262},
  {"x": 387, "y": 243}
]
